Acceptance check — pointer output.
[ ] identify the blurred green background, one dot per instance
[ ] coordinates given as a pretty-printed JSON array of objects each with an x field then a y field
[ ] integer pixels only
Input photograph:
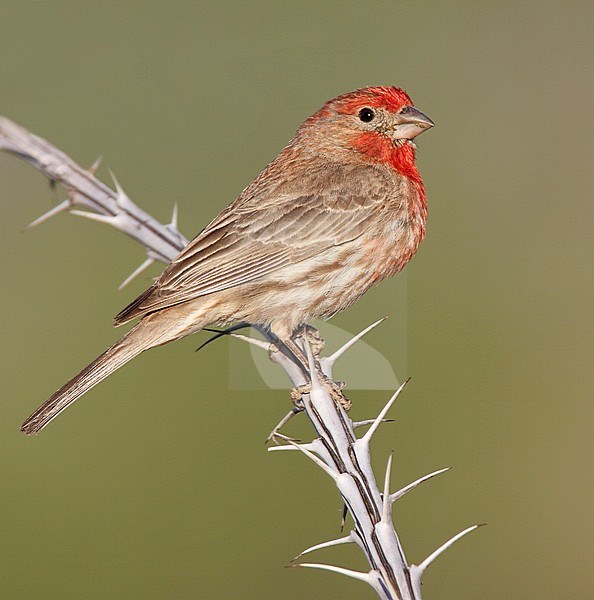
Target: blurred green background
[{"x": 157, "y": 484}]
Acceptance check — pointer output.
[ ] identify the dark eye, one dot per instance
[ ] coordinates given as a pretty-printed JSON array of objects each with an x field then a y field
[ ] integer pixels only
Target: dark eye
[{"x": 366, "y": 115}]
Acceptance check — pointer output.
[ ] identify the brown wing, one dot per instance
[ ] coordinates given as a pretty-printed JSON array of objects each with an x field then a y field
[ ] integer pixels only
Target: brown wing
[{"x": 247, "y": 242}]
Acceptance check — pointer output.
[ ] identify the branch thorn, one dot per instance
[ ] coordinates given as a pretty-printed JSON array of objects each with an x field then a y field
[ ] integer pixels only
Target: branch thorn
[
  {"x": 65, "y": 205},
  {"x": 386, "y": 503},
  {"x": 367, "y": 437},
  {"x": 366, "y": 577},
  {"x": 330, "y": 360},
  {"x": 318, "y": 461},
  {"x": 108, "y": 219},
  {"x": 410, "y": 486},
  {"x": 122, "y": 199},
  {"x": 95, "y": 166},
  {"x": 343, "y": 540},
  {"x": 250, "y": 340},
  {"x": 145, "y": 265},
  {"x": 423, "y": 566},
  {"x": 173, "y": 224}
]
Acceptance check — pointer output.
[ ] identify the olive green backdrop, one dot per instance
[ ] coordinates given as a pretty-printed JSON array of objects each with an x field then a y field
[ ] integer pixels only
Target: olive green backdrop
[{"x": 157, "y": 484}]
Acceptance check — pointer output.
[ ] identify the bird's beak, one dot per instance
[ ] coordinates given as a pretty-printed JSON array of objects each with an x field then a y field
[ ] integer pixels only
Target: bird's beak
[{"x": 409, "y": 123}]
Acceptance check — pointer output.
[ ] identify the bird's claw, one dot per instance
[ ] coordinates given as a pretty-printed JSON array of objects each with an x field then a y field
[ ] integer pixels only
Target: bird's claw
[
  {"x": 297, "y": 394},
  {"x": 315, "y": 340},
  {"x": 334, "y": 388}
]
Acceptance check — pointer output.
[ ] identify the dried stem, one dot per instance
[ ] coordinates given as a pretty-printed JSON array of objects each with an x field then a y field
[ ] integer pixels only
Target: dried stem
[{"x": 336, "y": 449}]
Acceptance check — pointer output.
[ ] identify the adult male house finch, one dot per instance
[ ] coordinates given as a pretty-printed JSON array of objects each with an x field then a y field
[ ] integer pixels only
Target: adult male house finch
[{"x": 339, "y": 209}]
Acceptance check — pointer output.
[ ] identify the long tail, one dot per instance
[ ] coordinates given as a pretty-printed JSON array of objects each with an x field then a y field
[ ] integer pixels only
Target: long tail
[{"x": 113, "y": 358}]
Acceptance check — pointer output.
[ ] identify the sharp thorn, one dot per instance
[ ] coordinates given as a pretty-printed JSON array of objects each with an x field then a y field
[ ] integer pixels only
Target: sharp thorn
[
  {"x": 369, "y": 422},
  {"x": 93, "y": 168},
  {"x": 318, "y": 461},
  {"x": 275, "y": 432},
  {"x": 252, "y": 341},
  {"x": 122, "y": 199},
  {"x": 334, "y": 357},
  {"x": 345, "y": 512},
  {"x": 115, "y": 181},
  {"x": 282, "y": 436},
  {"x": 343, "y": 540},
  {"x": 367, "y": 437},
  {"x": 173, "y": 223},
  {"x": 281, "y": 447},
  {"x": 348, "y": 572},
  {"x": 145, "y": 265},
  {"x": 410, "y": 486},
  {"x": 386, "y": 504},
  {"x": 293, "y": 445},
  {"x": 65, "y": 205},
  {"x": 421, "y": 568},
  {"x": 93, "y": 216}
]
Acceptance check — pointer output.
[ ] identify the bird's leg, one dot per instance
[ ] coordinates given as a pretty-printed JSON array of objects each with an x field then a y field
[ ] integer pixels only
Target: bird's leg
[
  {"x": 316, "y": 343},
  {"x": 297, "y": 352}
]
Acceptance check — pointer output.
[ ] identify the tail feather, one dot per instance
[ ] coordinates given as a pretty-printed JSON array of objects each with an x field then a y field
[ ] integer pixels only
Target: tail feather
[{"x": 113, "y": 358}]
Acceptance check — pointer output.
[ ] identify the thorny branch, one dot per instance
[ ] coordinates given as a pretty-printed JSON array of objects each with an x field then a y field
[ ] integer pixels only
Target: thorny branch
[{"x": 336, "y": 449}]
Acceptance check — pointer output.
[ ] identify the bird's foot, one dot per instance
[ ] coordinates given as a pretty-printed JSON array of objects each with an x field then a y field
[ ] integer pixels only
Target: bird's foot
[
  {"x": 334, "y": 388},
  {"x": 313, "y": 337},
  {"x": 297, "y": 394}
]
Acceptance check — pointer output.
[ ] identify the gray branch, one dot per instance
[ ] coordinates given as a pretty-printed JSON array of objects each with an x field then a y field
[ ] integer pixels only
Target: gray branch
[
  {"x": 99, "y": 201},
  {"x": 336, "y": 449}
]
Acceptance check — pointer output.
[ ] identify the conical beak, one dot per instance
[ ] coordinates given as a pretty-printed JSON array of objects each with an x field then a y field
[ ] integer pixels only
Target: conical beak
[{"x": 410, "y": 122}]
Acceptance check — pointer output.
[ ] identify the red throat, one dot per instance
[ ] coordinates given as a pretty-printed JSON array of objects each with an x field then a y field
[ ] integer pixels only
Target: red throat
[{"x": 381, "y": 149}]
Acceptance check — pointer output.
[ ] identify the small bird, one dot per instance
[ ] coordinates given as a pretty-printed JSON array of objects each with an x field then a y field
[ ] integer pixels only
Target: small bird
[{"x": 342, "y": 207}]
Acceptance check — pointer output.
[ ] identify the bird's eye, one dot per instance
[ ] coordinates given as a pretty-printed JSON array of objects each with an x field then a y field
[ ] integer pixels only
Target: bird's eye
[{"x": 366, "y": 115}]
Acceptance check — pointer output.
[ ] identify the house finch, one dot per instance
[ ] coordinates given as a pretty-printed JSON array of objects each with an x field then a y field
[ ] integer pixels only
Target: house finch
[{"x": 339, "y": 209}]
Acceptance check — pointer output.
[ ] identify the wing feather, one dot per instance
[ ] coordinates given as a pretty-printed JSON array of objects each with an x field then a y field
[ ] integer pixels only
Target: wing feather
[{"x": 248, "y": 241}]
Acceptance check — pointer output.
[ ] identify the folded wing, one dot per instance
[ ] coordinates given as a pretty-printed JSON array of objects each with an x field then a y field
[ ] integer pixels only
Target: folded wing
[{"x": 247, "y": 242}]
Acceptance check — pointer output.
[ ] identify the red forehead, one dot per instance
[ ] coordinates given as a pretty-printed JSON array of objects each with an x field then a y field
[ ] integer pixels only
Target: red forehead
[{"x": 389, "y": 98}]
